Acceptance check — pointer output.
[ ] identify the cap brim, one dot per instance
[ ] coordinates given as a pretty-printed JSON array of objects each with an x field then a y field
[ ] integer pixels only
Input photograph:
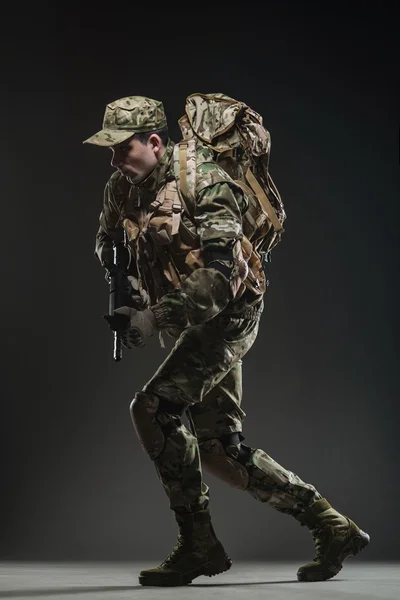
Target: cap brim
[{"x": 109, "y": 137}]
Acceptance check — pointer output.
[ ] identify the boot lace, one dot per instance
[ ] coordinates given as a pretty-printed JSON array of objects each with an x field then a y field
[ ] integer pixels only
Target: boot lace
[
  {"x": 181, "y": 547},
  {"x": 320, "y": 541}
]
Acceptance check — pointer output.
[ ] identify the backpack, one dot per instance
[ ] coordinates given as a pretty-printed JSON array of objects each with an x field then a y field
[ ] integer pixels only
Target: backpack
[{"x": 240, "y": 145}]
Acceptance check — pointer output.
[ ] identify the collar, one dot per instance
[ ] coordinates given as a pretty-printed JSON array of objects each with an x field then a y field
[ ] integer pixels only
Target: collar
[{"x": 159, "y": 174}]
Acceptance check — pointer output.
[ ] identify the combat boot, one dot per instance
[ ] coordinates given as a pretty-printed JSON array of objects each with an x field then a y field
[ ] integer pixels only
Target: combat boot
[
  {"x": 197, "y": 552},
  {"x": 335, "y": 536}
]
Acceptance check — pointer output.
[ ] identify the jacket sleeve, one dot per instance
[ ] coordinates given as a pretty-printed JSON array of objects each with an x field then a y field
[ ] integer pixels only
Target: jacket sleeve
[
  {"x": 206, "y": 292},
  {"x": 108, "y": 230}
]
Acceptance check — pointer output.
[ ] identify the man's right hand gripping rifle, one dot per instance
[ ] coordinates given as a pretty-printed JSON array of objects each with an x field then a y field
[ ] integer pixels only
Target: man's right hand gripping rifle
[{"x": 128, "y": 316}]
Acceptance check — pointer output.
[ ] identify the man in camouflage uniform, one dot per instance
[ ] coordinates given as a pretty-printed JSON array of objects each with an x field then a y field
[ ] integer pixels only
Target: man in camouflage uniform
[{"x": 202, "y": 376}]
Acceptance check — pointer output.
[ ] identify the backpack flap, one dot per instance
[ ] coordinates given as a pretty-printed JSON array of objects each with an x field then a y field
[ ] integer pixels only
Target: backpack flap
[{"x": 212, "y": 118}]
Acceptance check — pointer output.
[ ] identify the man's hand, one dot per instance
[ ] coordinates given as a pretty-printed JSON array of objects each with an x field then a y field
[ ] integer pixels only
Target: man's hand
[
  {"x": 134, "y": 326},
  {"x": 141, "y": 299}
]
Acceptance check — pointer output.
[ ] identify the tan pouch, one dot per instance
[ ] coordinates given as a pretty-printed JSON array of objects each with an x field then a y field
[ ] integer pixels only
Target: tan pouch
[{"x": 194, "y": 259}]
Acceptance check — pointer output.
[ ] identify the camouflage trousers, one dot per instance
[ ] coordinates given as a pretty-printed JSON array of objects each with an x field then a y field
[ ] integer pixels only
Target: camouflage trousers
[{"x": 202, "y": 376}]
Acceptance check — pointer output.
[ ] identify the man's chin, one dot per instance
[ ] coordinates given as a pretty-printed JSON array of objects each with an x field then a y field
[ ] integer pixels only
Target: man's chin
[
  {"x": 131, "y": 177},
  {"x": 134, "y": 178}
]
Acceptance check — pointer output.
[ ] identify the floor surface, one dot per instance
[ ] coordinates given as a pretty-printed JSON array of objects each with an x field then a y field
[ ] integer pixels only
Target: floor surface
[{"x": 119, "y": 581}]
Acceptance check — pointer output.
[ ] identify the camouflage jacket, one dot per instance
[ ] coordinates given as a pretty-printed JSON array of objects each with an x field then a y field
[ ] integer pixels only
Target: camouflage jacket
[{"x": 200, "y": 251}]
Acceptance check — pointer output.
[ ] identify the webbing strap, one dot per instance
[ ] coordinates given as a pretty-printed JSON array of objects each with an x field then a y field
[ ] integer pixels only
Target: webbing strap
[
  {"x": 264, "y": 202},
  {"x": 182, "y": 168},
  {"x": 173, "y": 203},
  {"x": 248, "y": 191},
  {"x": 176, "y": 219},
  {"x": 186, "y": 164}
]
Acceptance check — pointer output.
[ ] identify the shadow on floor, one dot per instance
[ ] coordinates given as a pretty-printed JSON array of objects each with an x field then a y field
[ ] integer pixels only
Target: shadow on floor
[
  {"x": 81, "y": 590},
  {"x": 64, "y": 591}
]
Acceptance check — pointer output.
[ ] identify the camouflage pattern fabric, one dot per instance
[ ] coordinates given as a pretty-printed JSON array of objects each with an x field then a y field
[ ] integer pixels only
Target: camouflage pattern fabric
[
  {"x": 212, "y": 117},
  {"x": 203, "y": 373},
  {"x": 127, "y": 116}
]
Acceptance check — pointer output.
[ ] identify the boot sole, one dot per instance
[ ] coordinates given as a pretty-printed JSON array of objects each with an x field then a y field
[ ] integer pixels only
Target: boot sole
[
  {"x": 356, "y": 543},
  {"x": 212, "y": 567}
]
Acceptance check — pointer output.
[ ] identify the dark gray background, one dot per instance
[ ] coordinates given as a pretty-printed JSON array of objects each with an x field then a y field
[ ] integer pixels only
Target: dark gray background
[{"x": 320, "y": 383}]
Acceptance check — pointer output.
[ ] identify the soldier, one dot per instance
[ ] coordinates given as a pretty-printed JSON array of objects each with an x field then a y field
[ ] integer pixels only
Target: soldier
[{"x": 185, "y": 275}]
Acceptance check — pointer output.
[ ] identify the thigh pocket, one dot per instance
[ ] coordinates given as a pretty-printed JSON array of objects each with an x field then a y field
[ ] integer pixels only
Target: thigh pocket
[{"x": 239, "y": 335}]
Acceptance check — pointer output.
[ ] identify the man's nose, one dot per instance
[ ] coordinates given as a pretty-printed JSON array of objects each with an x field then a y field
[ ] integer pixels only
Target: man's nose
[{"x": 116, "y": 159}]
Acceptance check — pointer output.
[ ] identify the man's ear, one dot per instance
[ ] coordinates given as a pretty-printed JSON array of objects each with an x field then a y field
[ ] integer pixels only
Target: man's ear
[{"x": 155, "y": 142}]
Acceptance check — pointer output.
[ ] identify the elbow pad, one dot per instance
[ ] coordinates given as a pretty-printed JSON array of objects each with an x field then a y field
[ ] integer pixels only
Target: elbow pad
[
  {"x": 231, "y": 263},
  {"x": 222, "y": 260}
]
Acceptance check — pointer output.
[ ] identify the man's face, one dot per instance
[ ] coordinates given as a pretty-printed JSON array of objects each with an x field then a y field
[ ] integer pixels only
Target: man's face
[{"x": 136, "y": 160}]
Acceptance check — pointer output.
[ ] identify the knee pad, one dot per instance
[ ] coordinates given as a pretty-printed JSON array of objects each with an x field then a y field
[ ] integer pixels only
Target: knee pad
[
  {"x": 232, "y": 442},
  {"x": 151, "y": 423},
  {"x": 225, "y": 457}
]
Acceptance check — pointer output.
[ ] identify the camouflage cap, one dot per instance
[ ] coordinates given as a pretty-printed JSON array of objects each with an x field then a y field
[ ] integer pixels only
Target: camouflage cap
[{"x": 127, "y": 116}]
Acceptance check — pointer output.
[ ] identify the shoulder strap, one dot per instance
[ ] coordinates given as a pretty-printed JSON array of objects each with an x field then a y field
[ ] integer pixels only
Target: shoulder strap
[
  {"x": 182, "y": 168},
  {"x": 185, "y": 173},
  {"x": 264, "y": 202}
]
